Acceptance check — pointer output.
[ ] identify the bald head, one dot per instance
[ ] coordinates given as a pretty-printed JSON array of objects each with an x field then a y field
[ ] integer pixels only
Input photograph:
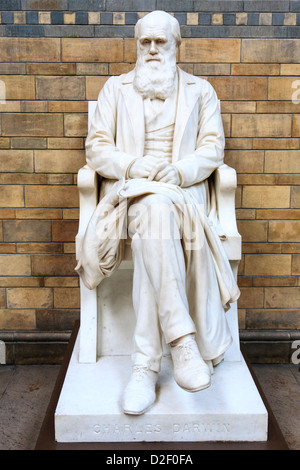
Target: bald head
[{"x": 158, "y": 21}]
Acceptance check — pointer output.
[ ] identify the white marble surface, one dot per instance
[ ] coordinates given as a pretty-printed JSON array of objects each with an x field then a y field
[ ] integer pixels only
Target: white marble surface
[{"x": 89, "y": 408}]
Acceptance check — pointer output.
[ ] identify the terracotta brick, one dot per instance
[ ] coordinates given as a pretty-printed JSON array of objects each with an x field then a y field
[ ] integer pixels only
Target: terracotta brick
[
  {"x": 61, "y": 281},
  {"x": 64, "y": 230},
  {"x": 255, "y": 69},
  {"x": 59, "y": 161},
  {"x": 39, "y": 247},
  {"x": 51, "y": 69},
  {"x": 38, "y": 213},
  {"x": 282, "y": 297},
  {"x": 256, "y": 248},
  {"x": 32, "y": 124},
  {"x": 10, "y": 107},
  {"x": 60, "y": 179},
  {"x": 16, "y": 161},
  {"x": 284, "y": 230},
  {"x": 210, "y": 50},
  {"x": 53, "y": 265},
  {"x": 296, "y": 265},
  {"x": 76, "y": 125},
  {"x": 65, "y": 143},
  {"x": 92, "y": 50},
  {"x": 253, "y": 230},
  {"x": 287, "y": 179},
  {"x": 11, "y": 196},
  {"x": 71, "y": 214},
  {"x": 295, "y": 197},
  {"x": 277, "y": 51},
  {"x": 29, "y": 297},
  {"x": 277, "y": 107},
  {"x": 7, "y": 213},
  {"x": 242, "y": 214},
  {"x": 129, "y": 50},
  {"x": 20, "y": 281},
  {"x": 278, "y": 214},
  {"x": 266, "y": 196},
  {"x": 26, "y": 230},
  {"x": 281, "y": 88},
  {"x": 261, "y": 125},
  {"x": 22, "y": 178},
  {"x": 29, "y": 49},
  {"x": 296, "y": 126},
  {"x": 93, "y": 86},
  {"x": 238, "y": 107},
  {"x": 240, "y": 88},
  {"x": 69, "y": 247},
  {"x": 4, "y": 143},
  {"x": 267, "y": 265},
  {"x": 282, "y": 161},
  {"x": 276, "y": 144},
  {"x": 60, "y": 88},
  {"x": 17, "y": 319},
  {"x": 238, "y": 144},
  {"x": 291, "y": 248},
  {"x": 20, "y": 87},
  {"x": 29, "y": 143},
  {"x": 68, "y": 106},
  {"x": 211, "y": 69},
  {"x": 245, "y": 161},
  {"x": 15, "y": 265},
  {"x": 251, "y": 297},
  {"x": 274, "y": 281},
  {"x": 290, "y": 69},
  {"x": 252, "y": 179},
  {"x": 66, "y": 297},
  {"x": 51, "y": 196},
  {"x": 93, "y": 69},
  {"x": 34, "y": 106}
]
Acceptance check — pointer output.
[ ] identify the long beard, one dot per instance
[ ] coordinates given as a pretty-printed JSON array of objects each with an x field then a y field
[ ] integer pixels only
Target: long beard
[{"x": 155, "y": 80}]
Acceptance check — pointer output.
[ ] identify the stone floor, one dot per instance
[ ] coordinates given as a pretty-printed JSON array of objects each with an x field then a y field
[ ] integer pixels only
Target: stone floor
[{"x": 25, "y": 392}]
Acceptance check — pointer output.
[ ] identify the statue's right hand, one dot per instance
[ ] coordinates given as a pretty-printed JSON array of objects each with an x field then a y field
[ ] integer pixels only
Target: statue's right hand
[{"x": 143, "y": 166}]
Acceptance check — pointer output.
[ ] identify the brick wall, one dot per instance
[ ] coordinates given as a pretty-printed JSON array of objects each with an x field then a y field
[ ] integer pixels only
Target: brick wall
[{"x": 55, "y": 56}]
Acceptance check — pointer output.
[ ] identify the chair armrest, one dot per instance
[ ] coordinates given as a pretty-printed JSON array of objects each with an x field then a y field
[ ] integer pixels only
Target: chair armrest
[
  {"x": 225, "y": 182},
  {"x": 87, "y": 183}
]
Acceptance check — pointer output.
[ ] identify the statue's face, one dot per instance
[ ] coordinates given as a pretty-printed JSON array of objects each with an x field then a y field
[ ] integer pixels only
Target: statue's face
[{"x": 156, "y": 44}]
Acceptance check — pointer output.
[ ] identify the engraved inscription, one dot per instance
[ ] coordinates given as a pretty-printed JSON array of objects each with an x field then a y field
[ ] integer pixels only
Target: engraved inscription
[
  {"x": 126, "y": 429},
  {"x": 199, "y": 427}
]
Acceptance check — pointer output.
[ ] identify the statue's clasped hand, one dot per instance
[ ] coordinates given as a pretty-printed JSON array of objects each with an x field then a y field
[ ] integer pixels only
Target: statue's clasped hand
[{"x": 154, "y": 169}]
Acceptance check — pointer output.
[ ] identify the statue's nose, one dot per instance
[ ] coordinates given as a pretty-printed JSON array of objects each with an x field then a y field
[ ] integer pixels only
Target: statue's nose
[{"x": 153, "y": 49}]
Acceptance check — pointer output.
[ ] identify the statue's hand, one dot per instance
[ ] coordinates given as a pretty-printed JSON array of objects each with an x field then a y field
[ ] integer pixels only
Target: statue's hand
[
  {"x": 168, "y": 174},
  {"x": 143, "y": 166}
]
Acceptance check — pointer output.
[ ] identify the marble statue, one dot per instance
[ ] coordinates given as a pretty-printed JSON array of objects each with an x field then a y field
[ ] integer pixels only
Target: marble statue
[{"x": 155, "y": 138}]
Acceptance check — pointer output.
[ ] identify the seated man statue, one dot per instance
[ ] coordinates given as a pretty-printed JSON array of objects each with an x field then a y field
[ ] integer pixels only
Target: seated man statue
[{"x": 155, "y": 138}]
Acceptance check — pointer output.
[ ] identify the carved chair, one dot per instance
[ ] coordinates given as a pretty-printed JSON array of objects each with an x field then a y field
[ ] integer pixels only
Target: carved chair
[{"x": 106, "y": 313}]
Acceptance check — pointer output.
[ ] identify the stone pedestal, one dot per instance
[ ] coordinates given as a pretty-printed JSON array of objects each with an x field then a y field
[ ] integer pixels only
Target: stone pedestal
[{"x": 89, "y": 407}]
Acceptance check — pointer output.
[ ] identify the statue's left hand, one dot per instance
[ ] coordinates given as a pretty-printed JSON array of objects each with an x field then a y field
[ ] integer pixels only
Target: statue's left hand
[{"x": 169, "y": 174}]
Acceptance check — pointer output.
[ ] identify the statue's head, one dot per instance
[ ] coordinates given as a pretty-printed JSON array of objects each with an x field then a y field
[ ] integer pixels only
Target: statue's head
[{"x": 158, "y": 36}]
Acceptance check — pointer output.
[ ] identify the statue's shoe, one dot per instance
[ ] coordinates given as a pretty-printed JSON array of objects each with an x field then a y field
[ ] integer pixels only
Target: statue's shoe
[
  {"x": 190, "y": 371},
  {"x": 139, "y": 394}
]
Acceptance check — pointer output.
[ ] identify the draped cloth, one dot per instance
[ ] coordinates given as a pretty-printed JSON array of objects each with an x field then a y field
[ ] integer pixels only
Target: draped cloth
[{"x": 103, "y": 244}]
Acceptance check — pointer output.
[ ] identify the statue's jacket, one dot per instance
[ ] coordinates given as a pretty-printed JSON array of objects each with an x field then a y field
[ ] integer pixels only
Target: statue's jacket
[{"x": 115, "y": 139}]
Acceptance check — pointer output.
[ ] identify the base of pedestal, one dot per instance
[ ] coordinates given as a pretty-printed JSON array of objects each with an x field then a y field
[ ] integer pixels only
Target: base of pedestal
[{"x": 89, "y": 407}]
